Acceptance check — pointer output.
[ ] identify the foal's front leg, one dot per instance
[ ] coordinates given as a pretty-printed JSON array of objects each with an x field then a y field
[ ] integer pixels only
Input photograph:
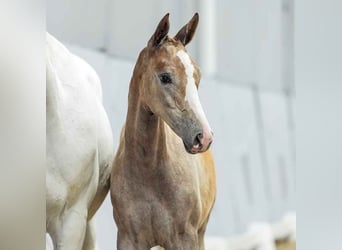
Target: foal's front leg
[
  {"x": 125, "y": 242},
  {"x": 185, "y": 241}
]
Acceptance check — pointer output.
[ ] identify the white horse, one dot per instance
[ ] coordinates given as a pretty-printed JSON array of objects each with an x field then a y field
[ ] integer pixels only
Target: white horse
[{"x": 79, "y": 148}]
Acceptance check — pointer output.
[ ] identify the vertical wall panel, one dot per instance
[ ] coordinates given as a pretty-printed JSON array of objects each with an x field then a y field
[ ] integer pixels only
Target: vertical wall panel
[
  {"x": 268, "y": 39},
  {"x": 250, "y": 42},
  {"x": 224, "y": 219},
  {"x": 290, "y": 111},
  {"x": 241, "y": 197},
  {"x": 206, "y": 34},
  {"x": 278, "y": 151},
  {"x": 236, "y": 40},
  {"x": 288, "y": 44}
]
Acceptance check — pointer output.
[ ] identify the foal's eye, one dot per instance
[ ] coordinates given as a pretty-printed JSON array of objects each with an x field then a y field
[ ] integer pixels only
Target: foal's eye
[{"x": 165, "y": 78}]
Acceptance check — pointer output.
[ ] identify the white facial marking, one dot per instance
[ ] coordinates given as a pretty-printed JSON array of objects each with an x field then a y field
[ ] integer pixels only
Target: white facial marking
[{"x": 191, "y": 93}]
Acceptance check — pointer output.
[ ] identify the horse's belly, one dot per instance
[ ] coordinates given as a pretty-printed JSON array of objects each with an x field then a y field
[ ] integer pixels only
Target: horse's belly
[
  {"x": 104, "y": 145},
  {"x": 72, "y": 173}
]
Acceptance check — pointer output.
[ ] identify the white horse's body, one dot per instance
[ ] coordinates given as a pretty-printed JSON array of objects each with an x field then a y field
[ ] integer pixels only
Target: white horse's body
[{"x": 79, "y": 148}]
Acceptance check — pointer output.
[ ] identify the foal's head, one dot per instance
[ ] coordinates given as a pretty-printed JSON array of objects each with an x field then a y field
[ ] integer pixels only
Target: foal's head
[{"x": 169, "y": 85}]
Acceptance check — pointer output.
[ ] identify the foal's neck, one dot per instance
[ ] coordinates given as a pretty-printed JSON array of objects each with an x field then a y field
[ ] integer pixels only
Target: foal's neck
[{"x": 144, "y": 131}]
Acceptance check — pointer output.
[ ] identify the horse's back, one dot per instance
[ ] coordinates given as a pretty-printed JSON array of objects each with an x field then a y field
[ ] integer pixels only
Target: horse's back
[{"x": 70, "y": 69}]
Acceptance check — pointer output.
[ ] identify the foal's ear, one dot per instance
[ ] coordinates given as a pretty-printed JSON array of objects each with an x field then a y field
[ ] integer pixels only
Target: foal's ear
[
  {"x": 161, "y": 32},
  {"x": 186, "y": 33}
]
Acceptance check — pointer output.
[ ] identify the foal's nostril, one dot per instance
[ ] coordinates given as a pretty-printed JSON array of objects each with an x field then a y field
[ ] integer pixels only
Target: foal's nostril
[
  {"x": 199, "y": 136},
  {"x": 197, "y": 140}
]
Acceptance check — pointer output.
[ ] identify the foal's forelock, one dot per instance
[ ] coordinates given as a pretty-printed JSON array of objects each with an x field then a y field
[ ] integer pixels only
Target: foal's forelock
[{"x": 191, "y": 93}]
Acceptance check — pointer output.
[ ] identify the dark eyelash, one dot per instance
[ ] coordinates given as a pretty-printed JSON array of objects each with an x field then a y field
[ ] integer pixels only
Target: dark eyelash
[{"x": 165, "y": 78}]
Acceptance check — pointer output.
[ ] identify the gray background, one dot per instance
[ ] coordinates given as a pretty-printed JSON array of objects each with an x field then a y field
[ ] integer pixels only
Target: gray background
[
  {"x": 245, "y": 51},
  {"x": 318, "y": 79}
]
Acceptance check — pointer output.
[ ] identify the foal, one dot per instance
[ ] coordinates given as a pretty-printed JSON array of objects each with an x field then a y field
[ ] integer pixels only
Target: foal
[{"x": 162, "y": 191}]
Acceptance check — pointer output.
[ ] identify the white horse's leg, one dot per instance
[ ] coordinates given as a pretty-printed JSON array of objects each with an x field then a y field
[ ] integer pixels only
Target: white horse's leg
[
  {"x": 70, "y": 235},
  {"x": 90, "y": 236}
]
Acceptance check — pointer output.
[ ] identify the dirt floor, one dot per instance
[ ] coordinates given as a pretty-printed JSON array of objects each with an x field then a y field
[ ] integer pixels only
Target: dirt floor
[{"x": 286, "y": 245}]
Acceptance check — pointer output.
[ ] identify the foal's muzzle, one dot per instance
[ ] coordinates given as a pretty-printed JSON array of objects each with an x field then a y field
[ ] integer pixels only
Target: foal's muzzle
[{"x": 200, "y": 142}]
